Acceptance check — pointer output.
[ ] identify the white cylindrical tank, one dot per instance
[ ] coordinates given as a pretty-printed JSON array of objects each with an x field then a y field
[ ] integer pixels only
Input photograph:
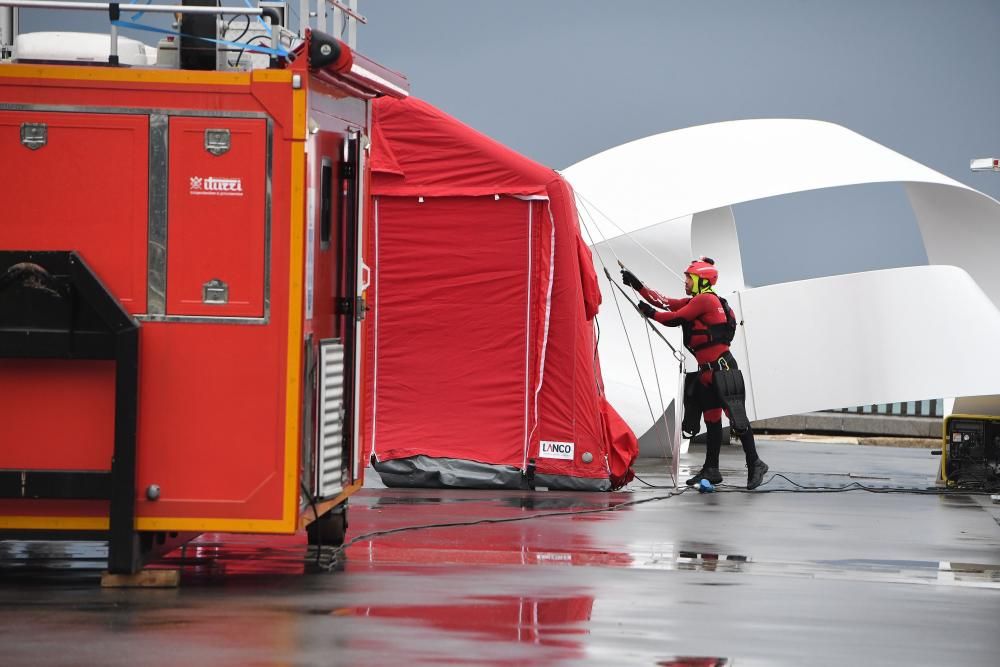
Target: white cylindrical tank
[{"x": 81, "y": 47}]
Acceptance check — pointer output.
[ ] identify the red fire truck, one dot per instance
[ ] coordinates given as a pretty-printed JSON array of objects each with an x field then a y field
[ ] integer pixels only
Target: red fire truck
[{"x": 181, "y": 288}]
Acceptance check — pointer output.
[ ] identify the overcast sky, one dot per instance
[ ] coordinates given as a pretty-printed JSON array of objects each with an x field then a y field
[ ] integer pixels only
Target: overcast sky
[{"x": 560, "y": 80}]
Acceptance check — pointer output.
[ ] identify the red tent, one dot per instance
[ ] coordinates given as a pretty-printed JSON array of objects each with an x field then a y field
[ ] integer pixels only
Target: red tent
[{"x": 482, "y": 362}]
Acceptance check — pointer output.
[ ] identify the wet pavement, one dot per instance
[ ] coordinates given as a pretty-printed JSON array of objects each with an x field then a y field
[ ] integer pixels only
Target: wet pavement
[{"x": 786, "y": 577}]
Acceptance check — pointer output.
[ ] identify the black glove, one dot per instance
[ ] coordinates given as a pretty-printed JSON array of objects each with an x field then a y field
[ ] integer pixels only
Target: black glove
[
  {"x": 646, "y": 309},
  {"x": 629, "y": 279}
]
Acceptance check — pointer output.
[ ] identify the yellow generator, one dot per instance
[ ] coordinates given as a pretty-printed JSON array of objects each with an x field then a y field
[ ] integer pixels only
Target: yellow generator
[{"x": 970, "y": 455}]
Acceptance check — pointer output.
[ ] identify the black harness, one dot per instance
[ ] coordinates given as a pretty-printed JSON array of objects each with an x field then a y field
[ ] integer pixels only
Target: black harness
[
  {"x": 727, "y": 389},
  {"x": 724, "y": 332},
  {"x": 725, "y": 362}
]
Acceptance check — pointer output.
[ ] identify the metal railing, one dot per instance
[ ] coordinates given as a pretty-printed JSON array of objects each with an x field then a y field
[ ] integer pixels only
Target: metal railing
[
  {"x": 932, "y": 408},
  {"x": 339, "y": 18},
  {"x": 113, "y": 9}
]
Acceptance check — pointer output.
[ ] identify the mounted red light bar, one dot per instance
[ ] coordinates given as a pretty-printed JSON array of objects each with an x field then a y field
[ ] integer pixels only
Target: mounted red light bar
[
  {"x": 369, "y": 73},
  {"x": 331, "y": 59},
  {"x": 328, "y": 53}
]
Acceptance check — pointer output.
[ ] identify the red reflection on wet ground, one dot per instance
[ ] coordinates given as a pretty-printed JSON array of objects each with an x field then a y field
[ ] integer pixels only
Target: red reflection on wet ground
[
  {"x": 514, "y": 529},
  {"x": 558, "y": 620},
  {"x": 547, "y": 622},
  {"x": 551, "y": 536},
  {"x": 217, "y": 557}
]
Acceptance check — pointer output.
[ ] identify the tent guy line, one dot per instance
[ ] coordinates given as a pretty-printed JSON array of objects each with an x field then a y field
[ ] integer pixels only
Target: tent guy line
[
  {"x": 679, "y": 356},
  {"x": 587, "y": 209},
  {"x": 587, "y": 204},
  {"x": 656, "y": 379},
  {"x": 674, "y": 459},
  {"x": 621, "y": 318}
]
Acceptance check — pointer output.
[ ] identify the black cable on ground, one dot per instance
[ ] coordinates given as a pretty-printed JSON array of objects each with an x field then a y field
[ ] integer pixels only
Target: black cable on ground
[
  {"x": 853, "y": 486},
  {"x": 647, "y": 484},
  {"x": 721, "y": 488}
]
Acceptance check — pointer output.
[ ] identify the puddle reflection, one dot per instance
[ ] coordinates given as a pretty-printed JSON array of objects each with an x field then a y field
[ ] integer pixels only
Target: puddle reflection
[
  {"x": 559, "y": 622},
  {"x": 710, "y": 561},
  {"x": 268, "y": 560},
  {"x": 492, "y": 501}
]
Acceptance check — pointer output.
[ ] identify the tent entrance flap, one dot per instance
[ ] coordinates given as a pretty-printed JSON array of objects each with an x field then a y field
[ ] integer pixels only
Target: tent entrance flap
[{"x": 453, "y": 333}]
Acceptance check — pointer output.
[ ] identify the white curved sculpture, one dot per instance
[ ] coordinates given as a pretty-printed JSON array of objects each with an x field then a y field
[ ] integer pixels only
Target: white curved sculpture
[
  {"x": 672, "y": 192},
  {"x": 871, "y": 346}
]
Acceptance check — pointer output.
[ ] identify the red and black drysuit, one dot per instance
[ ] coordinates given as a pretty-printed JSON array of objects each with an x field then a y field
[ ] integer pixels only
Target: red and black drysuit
[{"x": 699, "y": 315}]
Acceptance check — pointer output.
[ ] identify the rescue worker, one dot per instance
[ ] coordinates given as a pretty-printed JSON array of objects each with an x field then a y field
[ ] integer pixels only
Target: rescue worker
[{"x": 708, "y": 325}]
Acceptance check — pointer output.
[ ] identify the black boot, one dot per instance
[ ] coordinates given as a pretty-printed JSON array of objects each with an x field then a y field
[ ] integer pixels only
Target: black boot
[
  {"x": 711, "y": 474},
  {"x": 713, "y": 446},
  {"x": 755, "y": 474},
  {"x": 749, "y": 446}
]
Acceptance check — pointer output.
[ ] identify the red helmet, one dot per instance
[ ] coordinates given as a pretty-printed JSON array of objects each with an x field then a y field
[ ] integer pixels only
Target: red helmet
[{"x": 704, "y": 268}]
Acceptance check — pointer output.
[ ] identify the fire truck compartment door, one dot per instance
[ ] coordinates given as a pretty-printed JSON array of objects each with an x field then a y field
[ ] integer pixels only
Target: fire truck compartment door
[
  {"x": 78, "y": 181},
  {"x": 216, "y": 217}
]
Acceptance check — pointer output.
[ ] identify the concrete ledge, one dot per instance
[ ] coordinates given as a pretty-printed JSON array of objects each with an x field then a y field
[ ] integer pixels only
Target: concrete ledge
[
  {"x": 842, "y": 439},
  {"x": 854, "y": 424}
]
